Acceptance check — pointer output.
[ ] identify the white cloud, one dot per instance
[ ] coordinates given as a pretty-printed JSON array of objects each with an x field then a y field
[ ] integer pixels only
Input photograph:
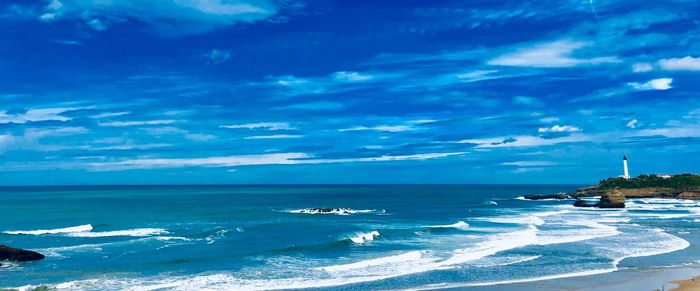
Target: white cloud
[
  {"x": 558, "y": 128},
  {"x": 386, "y": 128},
  {"x": 692, "y": 130},
  {"x": 557, "y": 54},
  {"x": 318, "y": 105},
  {"x": 96, "y": 24},
  {"x": 167, "y": 16},
  {"x": 526, "y": 100},
  {"x": 655, "y": 84},
  {"x": 261, "y": 125},
  {"x": 37, "y": 133},
  {"x": 110, "y": 114},
  {"x": 130, "y": 146},
  {"x": 632, "y": 123},
  {"x": 680, "y": 64},
  {"x": 525, "y": 141},
  {"x": 5, "y": 140},
  {"x": 276, "y": 136},
  {"x": 34, "y": 115},
  {"x": 351, "y": 76},
  {"x": 549, "y": 119},
  {"x": 250, "y": 160},
  {"x": 528, "y": 163},
  {"x": 642, "y": 67},
  {"x": 423, "y": 121},
  {"x": 216, "y": 56},
  {"x": 523, "y": 170},
  {"x": 30, "y": 139},
  {"x": 134, "y": 123},
  {"x": 168, "y": 130}
]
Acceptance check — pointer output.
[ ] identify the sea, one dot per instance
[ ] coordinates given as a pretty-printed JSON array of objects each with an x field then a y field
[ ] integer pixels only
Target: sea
[{"x": 380, "y": 237}]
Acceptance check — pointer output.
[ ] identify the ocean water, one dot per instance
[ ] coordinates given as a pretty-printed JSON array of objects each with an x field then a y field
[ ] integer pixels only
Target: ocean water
[{"x": 386, "y": 237}]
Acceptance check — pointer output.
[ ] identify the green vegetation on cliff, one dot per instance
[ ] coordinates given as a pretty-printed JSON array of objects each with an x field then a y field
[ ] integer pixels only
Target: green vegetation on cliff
[{"x": 679, "y": 182}]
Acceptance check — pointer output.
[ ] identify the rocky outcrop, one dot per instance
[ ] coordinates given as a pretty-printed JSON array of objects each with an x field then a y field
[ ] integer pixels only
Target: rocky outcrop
[
  {"x": 608, "y": 199},
  {"x": 612, "y": 199},
  {"x": 18, "y": 255},
  {"x": 689, "y": 195},
  {"x": 650, "y": 192},
  {"x": 546, "y": 196},
  {"x": 581, "y": 203}
]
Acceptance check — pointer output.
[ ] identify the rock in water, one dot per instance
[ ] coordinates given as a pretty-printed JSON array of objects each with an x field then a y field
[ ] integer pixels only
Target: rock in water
[
  {"x": 581, "y": 203},
  {"x": 18, "y": 255},
  {"x": 612, "y": 199},
  {"x": 546, "y": 196}
]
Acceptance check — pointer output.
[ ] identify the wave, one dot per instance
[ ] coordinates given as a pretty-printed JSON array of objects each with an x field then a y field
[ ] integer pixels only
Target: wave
[
  {"x": 336, "y": 211},
  {"x": 401, "y": 258},
  {"x": 128, "y": 232},
  {"x": 219, "y": 234},
  {"x": 360, "y": 238},
  {"x": 392, "y": 266},
  {"x": 522, "y": 219},
  {"x": 551, "y": 213},
  {"x": 593, "y": 230},
  {"x": 72, "y": 229},
  {"x": 461, "y": 225},
  {"x": 98, "y": 247}
]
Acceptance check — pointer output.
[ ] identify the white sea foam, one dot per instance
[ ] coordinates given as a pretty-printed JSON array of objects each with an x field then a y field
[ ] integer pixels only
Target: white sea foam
[
  {"x": 458, "y": 225},
  {"x": 522, "y": 219},
  {"x": 72, "y": 229},
  {"x": 503, "y": 261},
  {"x": 593, "y": 230},
  {"x": 219, "y": 234},
  {"x": 360, "y": 238},
  {"x": 128, "y": 232},
  {"x": 401, "y": 258},
  {"x": 551, "y": 213},
  {"x": 336, "y": 211},
  {"x": 495, "y": 244},
  {"x": 56, "y": 251}
]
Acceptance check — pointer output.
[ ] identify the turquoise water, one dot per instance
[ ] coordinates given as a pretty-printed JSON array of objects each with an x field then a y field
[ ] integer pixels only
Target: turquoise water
[{"x": 388, "y": 237}]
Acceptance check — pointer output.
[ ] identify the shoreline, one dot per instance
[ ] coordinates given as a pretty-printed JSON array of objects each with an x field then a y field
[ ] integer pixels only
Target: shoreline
[
  {"x": 678, "y": 279},
  {"x": 692, "y": 284}
]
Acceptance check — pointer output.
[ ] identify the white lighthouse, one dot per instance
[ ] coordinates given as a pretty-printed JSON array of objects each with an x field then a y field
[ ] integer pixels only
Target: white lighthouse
[{"x": 627, "y": 171}]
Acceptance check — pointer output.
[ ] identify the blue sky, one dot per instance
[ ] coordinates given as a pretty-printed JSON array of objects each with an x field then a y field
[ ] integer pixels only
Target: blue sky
[{"x": 216, "y": 91}]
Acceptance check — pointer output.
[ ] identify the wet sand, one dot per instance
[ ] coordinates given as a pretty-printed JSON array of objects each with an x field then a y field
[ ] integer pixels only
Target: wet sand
[
  {"x": 636, "y": 280},
  {"x": 692, "y": 284}
]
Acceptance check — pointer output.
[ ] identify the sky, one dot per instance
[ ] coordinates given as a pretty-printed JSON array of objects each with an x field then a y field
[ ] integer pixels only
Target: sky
[{"x": 322, "y": 91}]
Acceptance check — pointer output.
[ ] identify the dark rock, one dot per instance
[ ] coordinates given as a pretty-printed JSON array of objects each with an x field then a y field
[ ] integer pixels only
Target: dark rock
[
  {"x": 325, "y": 210},
  {"x": 18, "y": 255},
  {"x": 546, "y": 196},
  {"x": 581, "y": 203},
  {"x": 612, "y": 199}
]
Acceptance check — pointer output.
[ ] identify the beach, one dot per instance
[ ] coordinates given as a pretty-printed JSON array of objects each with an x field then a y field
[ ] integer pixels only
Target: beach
[{"x": 653, "y": 279}]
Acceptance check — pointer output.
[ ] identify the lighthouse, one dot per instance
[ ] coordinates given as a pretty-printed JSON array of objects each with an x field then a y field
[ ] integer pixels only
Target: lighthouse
[{"x": 627, "y": 171}]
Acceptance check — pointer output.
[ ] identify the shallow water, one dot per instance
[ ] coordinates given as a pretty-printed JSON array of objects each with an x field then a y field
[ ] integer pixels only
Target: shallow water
[{"x": 390, "y": 236}]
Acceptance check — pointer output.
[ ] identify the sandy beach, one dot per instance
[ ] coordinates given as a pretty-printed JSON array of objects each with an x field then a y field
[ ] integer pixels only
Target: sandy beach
[
  {"x": 692, "y": 284},
  {"x": 637, "y": 280}
]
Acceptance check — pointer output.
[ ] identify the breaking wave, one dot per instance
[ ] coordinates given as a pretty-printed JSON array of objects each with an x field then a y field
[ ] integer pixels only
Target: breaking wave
[
  {"x": 360, "y": 238},
  {"x": 461, "y": 225},
  {"x": 72, "y": 229},
  {"x": 336, "y": 211}
]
